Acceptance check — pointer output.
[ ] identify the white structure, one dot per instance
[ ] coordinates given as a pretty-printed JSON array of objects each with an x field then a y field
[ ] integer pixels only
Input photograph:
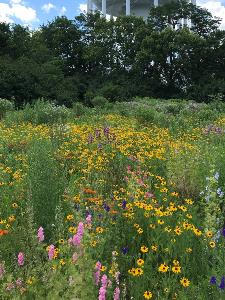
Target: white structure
[{"x": 126, "y": 7}]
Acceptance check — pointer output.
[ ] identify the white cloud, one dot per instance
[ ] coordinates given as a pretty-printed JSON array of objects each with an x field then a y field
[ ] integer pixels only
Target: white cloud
[
  {"x": 82, "y": 7},
  {"x": 63, "y": 10},
  {"x": 46, "y": 7},
  {"x": 17, "y": 9},
  {"x": 215, "y": 7}
]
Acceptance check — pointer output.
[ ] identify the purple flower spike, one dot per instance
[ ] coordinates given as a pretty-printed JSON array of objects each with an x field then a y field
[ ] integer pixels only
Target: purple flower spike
[
  {"x": 213, "y": 280},
  {"x": 222, "y": 283}
]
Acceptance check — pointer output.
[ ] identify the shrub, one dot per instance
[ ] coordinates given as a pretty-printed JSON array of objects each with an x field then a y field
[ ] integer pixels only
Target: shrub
[
  {"x": 45, "y": 112},
  {"x": 78, "y": 109},
  {"x": 5, "y": 105},
  {"x": 99, "y": 101}
]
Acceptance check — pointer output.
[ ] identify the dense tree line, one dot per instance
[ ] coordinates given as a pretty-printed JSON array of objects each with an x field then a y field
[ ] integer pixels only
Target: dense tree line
[{"x": 69, "y": 60}]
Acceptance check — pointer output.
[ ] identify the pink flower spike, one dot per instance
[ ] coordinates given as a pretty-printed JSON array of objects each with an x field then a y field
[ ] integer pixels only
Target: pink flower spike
[
  {"x": 88, "y": 219},
  {"x": 20, "y": 259},
  {"x": 40, "y": 234},
  {"x": 76, "y": 240},
  {"x": 116, "y": 294},
  {"x": 51, "y": 252},
  {"x": 74, "y": 257}
]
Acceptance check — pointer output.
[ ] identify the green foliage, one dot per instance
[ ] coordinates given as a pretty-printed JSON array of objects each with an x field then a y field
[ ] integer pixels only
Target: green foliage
[
  {"x": 46, "y": 184},
  {"x": 99, "y": 101},
  {"x": 45, "y": 112}
]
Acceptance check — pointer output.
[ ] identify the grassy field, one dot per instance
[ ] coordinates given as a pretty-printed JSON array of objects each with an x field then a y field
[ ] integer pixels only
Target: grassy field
[{"x": 120, "y": 201}]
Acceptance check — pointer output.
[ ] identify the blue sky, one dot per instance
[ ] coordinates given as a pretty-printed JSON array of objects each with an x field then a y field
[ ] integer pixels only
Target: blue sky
[{"x": 36, "y": 12}]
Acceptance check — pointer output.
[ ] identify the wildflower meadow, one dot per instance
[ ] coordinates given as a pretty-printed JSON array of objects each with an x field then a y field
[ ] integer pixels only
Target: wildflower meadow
[{"x": 118, "y": 201}]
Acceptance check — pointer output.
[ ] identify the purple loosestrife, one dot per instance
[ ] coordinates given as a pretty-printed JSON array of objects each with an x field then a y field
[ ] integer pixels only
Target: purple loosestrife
[
  {"x": 79, "y": 235},
  {"x": 102, "y": 291},
  {"x": 89, "y": 219},
  {"x": 20, "y": 259},
  {"x": 97, "y": 273},
  {"x": 40, "y": 235},
  {"x": 116, "y": 295},
  {"x": 51, "y": 252}
]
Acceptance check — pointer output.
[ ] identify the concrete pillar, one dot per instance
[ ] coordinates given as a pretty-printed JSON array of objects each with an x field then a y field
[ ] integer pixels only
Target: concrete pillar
[
  {"x": 89, "y": 6},
  {"x": 127, "y": 7},
  {"x": 104, "y": 7},
  {"x": 156, "y": 3}
]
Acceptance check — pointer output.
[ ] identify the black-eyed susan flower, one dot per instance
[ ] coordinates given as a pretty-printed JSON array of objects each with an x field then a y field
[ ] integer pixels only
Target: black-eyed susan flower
[
  {"x": 140, "y": 230},
  {"x": 154, "y": 248},
  {"x": 103, "y": 268},
  {"x": 209, "y": 234},
  {"x": 99, "y": 230},
  {"x": 177, "y": 230},
  {"x": 185, "y": 282},
  {"x": 69, "y": 217},
  {"x": 163, "y": 268},
  {"x": 144, "y": 249},
  {"x": 176, "y": 269},
  {"x": 161, "y": 222},
  {"x": 212, "y": 244},
  {"x": 72, "y": 229},
  {"x": 140, "y": 262},
  {"x": 139, "y": 271},
  {"x": 148, "y": 295}
]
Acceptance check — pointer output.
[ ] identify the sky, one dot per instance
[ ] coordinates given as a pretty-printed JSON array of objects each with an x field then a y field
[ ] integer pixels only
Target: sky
[{"x": 33, "y": 13}]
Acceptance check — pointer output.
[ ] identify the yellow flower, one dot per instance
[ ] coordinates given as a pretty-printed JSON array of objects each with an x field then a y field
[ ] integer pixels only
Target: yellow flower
[
  {"x": 176, "y": 269},
  {"x": 197, "y": 231},
  {"x": 132, "y": 271},
  {"x": 163, "y": 268},
  {"x": 139, "y": 272},
  {"x": 177, "y": 230},
  {"x": 189, "y": 216},
  {"x": 30, "y": 280},
  {"x": 140, "y": 230},
  {"x": 209, "y": 234},
  {"x": 144, "y": 249},
  {"x": 93, "y": 243},
  {"x": 99, "y": 230},
  {"x": 11, "y": 218},
  {"x": 160, "y": 222},
  {"x": 62, "y": 262},
  {"x": 212, "y": 244},
  {"x": 136, "y": 226},
  {"x": 185, "y": 282},
  {"x": 72, "y": 229},
  {"x": 189, "y": 201},
  {"x": 148, "y": 295},
  {"x": 140, "y": 262},
  {"x": 61, "y": 241},
  {"x": 69, "y": 217},
  {"x": 14, "y": 205},
  {"x": 188, "y": 250},
  {"x": 154, "y": 248},
  {"x": 103, "y": 268},
  {"x": 176, "y": 262}
]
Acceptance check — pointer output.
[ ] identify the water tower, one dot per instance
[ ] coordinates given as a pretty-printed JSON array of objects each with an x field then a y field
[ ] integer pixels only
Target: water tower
[{"x": 126, "y": 7}]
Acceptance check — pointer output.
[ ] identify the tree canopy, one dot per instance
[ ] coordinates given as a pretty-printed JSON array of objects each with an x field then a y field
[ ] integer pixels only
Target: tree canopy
[{"x": 74, "y": 60}]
